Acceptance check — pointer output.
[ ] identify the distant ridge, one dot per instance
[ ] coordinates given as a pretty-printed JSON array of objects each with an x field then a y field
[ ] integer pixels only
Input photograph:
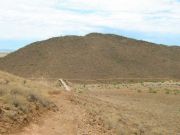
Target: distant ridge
[{"x": 94, "y": 56}]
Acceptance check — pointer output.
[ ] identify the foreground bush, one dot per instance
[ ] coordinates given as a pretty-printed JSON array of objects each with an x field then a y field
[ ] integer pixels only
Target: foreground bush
[{"x": 20, "y": 102}]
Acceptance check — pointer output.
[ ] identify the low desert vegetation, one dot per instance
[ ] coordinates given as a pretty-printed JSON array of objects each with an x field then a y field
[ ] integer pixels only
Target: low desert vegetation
[
  {"x": 176, "y": 91},
  {"x": 20, "y": 102},
  {"x": 20, "y": 97},
  {"x": 152, "y": 90},
  {"x": 132, "y": 108}
]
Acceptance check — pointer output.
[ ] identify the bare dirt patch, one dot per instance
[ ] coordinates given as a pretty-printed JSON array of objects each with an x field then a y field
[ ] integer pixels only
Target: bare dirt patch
[
  {"x": 141, "y": 108},
  {"x": 3, "y": 54},
  {"x": 111, "y": 109},
  {"x": 71, "y": 119}
]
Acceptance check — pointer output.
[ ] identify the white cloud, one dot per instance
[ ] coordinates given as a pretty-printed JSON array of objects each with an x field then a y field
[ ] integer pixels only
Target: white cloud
[{"x": 36, "y": 19}]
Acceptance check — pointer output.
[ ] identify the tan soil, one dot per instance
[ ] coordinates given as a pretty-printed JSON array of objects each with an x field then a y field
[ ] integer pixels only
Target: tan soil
[
  {"x": 71, "y": 119},
  {"x": 112, "y": 109},
  {"x": 2, "y": 54},
  {"x": 129, "y": 111}
]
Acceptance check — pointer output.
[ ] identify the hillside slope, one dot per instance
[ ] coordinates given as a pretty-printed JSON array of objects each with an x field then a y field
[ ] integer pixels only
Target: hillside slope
[
  {"x": 21, "y": 101},
  {"x": 94, "y": 56}
]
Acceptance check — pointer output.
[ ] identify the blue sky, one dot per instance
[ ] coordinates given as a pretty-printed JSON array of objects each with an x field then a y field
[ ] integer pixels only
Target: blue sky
[{"x": 23, "y": 22}]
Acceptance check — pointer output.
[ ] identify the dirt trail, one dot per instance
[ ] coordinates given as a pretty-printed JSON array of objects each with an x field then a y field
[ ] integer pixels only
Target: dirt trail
[{"x": 71, "y": 119}]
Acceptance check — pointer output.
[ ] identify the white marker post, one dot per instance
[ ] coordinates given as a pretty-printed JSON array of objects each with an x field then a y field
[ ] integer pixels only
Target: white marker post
[{"x": 67, "y": 88}]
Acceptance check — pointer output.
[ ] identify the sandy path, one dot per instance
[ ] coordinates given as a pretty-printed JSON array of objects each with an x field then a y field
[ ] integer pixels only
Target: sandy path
[
  {"x": 62, "y": 122},
  {"x": 71, "y": 119}
]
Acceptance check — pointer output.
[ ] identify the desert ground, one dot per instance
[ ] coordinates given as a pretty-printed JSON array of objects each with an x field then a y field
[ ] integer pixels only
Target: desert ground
[
  {"x": 149, "y": 108},
  {"x": 145, "y": 108},
  {"x": 2, "y": 54}
]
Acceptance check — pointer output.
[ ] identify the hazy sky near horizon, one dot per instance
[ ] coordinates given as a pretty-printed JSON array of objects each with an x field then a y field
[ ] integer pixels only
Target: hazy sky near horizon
[{"x": 23, "y": 22}]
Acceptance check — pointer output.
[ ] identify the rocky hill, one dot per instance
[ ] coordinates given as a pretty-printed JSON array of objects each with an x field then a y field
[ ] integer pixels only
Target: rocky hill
[{"x": 94, "y": 56}]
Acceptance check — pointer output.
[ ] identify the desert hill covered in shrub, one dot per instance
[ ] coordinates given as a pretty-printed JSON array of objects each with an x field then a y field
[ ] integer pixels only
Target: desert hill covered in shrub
[{"x": 94, "y": 56}]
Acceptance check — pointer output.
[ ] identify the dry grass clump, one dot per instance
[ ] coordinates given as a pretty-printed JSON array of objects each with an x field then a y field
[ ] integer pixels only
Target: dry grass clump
[
  {"x": 20, "y": 102},
  {"x": 170, "y": 91},
  {"x": 176, "y": 92},
  {"x": 20, "y": 97},
  {"x": 152, "y": 90}
]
